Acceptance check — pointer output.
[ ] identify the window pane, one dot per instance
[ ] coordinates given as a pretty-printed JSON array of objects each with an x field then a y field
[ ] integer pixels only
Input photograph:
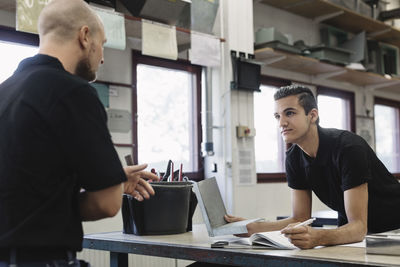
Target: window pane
[
  {"x": 387, "y": 136},
  {"x": 164, "y": 117},
  {"x": 334, "y": 112},
  {"x": 11, "y": 54},
  {"x": 269, "y": 146}
]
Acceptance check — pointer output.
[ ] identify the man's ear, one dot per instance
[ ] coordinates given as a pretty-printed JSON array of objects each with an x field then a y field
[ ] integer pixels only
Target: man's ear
[
  {"x": 314, "y": 115},
  {"x": 84, "y": 37}
]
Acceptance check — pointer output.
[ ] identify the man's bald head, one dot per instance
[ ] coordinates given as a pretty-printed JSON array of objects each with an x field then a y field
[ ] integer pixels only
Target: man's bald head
[{"x": 61, "y": 20}]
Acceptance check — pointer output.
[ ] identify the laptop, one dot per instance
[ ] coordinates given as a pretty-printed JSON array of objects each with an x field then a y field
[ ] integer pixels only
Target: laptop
[{"x": 213, "y": 210}]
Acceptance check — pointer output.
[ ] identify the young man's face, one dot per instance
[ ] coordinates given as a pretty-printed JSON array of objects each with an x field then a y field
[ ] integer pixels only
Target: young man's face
[{"x": 294, "y": 124}]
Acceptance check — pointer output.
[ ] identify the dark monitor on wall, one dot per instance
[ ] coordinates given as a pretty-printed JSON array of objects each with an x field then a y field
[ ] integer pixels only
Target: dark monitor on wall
[
  {"x": 246, "y": 75},
  {"x": 108, "y": 3}
]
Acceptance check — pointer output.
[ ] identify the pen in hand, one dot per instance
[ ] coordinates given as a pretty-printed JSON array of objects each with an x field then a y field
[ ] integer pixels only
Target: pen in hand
[{"x": 305, "y": 223}]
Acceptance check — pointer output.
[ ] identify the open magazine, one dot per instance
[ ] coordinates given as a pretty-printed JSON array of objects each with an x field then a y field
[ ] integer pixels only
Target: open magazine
[{"x": 264, "y": 240}]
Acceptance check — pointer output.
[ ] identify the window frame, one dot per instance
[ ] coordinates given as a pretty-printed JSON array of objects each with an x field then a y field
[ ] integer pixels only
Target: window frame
[
  {"x": 11, "y": 35},
  {"x": 350, "y": 96},
  {"x": 138, "y": 58},
  {"x": 272, "y": 177},
  {"x": 393, "y": 104}
]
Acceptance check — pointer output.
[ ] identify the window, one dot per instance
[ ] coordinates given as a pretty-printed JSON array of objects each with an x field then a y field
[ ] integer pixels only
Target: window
[
  {"x": 12, "y": 54},
  {"x": 269, "y": 145},
  {"x": 342, "y": 103},
  {"x": 14, "y": 47},
  {"x": 167, "y": 105},
  {"x": 387, "y": 133}
]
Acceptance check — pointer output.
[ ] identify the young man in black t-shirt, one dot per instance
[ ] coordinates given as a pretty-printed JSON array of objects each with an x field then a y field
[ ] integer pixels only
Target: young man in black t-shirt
[{"x": 339, "y": 167}]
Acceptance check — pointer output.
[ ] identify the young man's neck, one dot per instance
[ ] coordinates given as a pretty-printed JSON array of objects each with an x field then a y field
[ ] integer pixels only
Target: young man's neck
[{"x": 310, "y": 142}]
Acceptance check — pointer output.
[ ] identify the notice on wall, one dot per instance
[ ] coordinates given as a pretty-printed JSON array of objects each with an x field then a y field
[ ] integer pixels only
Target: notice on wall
[
  {"x": 28, "y": 13},
  {"x": 205, "y": 50},
  {"x": 159, "y": 40},
  {"x": 114, "y": 27},
  {"x": 245, "y": 157},
  {"x": 119, "y": 120}
]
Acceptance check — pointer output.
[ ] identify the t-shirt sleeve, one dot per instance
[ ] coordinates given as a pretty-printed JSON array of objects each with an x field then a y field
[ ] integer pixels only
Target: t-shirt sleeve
[
  {"x": 80, "y": 122},
  {"x": 295, "y": 175},
  {"x": 354, "y": 166}
]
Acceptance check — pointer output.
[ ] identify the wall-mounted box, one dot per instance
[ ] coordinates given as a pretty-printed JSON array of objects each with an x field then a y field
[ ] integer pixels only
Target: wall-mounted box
[
  {"x": 333, "y": 37},
  {"x": 331, "y": 54},
  {"x": 265, "y": 35},
  {"x": 244, "y": 131},
  {"x": 108, "y": 3},
  {"x": 164, "y": 11},
  {"x": 382, "y": 58},
  {"x": 390, "y": 58}
]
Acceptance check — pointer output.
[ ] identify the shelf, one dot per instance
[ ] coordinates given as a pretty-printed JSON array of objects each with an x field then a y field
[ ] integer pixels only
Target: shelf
[
  {"x": 340, "y": 17},
  {"x": 295, "y": 63},
  {"x": 321, "y": 70}
]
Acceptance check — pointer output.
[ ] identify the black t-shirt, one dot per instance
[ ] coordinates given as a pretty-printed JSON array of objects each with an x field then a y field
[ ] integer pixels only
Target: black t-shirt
[
  {"x": 54, "y": 141},
  {"x": 344, "y": 160}
]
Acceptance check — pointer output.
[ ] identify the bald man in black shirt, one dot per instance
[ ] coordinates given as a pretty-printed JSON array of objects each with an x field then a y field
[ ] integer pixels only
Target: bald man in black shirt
[{"x": 58, "y": 163}]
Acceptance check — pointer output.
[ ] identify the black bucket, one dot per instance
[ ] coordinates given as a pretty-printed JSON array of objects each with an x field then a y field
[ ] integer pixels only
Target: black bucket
[{"x": 169, "y": 211}]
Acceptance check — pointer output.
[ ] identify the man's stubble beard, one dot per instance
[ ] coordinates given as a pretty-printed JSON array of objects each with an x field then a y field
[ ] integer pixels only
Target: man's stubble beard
[{"x": 84, "y": 70}]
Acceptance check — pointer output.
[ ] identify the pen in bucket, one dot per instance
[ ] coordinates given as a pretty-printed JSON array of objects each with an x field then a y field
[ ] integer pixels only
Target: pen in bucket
[
  {"x": 180, "y": 173},
  {"x": 172, "y": 173}
]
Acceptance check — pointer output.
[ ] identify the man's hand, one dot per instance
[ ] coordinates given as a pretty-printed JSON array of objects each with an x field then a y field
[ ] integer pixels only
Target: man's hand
[
  {"x": 230, "y": 218},
  {"x": 136, "y": 185},
  {"x": 303, "y": 237},
  {"x": 251, "y": 227}
]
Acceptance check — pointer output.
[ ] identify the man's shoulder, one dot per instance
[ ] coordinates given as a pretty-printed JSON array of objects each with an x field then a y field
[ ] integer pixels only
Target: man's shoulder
[
  {"x": 339, "y": 136},
  {"x": 46, "y": 72},
  {"x": 341, "y": 140}
]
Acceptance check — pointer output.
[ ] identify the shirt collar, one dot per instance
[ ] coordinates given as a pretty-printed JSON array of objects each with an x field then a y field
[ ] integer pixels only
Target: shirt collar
[
  {"x": 37, "y": 60},
  {"x": 324, "y": 149}
]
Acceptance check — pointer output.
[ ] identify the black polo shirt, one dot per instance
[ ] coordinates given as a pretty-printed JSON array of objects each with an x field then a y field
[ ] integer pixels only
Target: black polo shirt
[
  {"x": 344, "y": 160},
  {"x": 53, "y": 142}
]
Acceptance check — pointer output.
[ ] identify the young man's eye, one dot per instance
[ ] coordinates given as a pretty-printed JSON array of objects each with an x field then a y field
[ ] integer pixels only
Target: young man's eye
[
  {"x": 290, "y": 113},
  {"x": 276, "y": 117}
]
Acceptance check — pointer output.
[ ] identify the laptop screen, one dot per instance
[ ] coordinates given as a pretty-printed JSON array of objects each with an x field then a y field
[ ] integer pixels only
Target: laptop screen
[{"x": 212, "y": 201}]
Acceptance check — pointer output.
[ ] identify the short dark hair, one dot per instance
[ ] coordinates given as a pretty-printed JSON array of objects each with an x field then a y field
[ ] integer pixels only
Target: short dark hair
[{"x": 304, "y": 94}]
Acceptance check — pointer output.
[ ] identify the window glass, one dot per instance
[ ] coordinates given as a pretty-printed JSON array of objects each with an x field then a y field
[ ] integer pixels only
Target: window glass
[
  {"x": 11, "y": 55},
  {"x": 334, "y": 112},
  {"x": 269, "y": 146},
  {"x": 387, "y": 136},
  {"x": 164, "y": 117}
]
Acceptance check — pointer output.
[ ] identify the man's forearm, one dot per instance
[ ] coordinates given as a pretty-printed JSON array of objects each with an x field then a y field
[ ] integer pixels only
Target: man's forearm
[
  {"x": 100, "y": 204},
  {"x": 271, "y": 226},
  {"x": 348, "y": 233}
]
